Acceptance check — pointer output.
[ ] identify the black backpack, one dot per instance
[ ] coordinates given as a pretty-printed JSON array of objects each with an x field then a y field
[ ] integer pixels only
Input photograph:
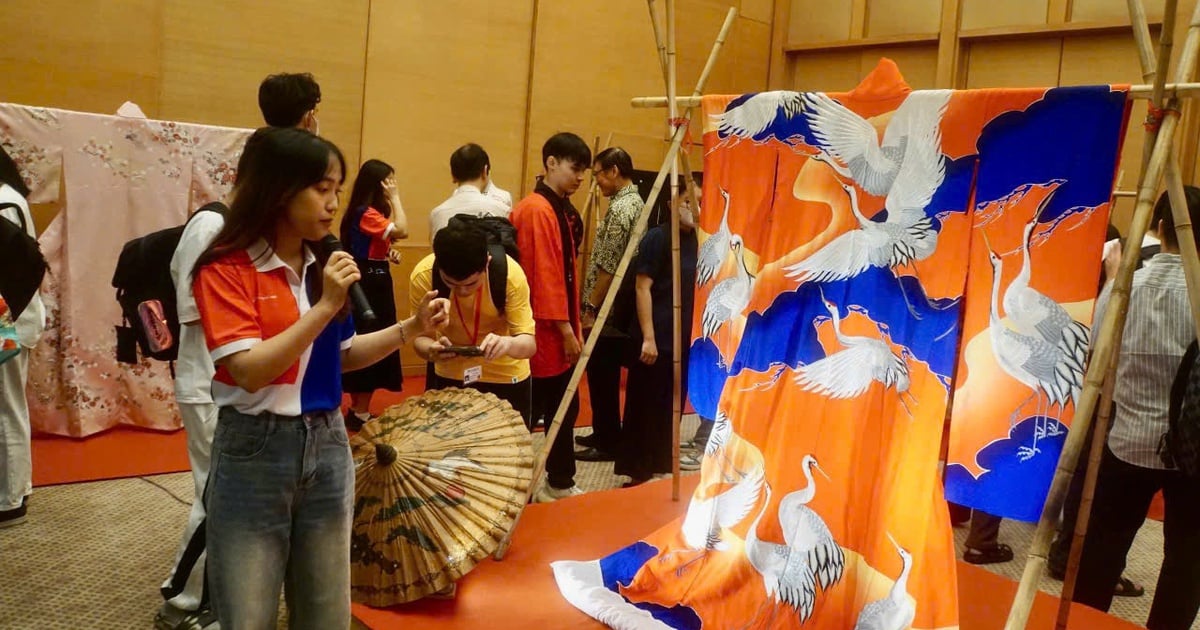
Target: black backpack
[
  {"x": 146, "y": 293},
  {"x": 502, "y": 243},
  {"x": 1180, "y": 448},
  {"x": 22, "y": 262}
]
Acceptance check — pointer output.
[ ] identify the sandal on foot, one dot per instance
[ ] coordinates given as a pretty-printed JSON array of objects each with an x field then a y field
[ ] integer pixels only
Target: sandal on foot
[
  {"x": 1000, "y": 553},
  {"x": 1126, "y": 588}
]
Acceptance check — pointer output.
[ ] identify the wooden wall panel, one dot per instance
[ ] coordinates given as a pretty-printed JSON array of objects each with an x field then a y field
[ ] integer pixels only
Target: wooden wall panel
[
  {"x": 214, "y": 79},
  {"x": 819, "y": 21},
  {"x": 832, "y": 71},
  {"x": 902, "y": 17},
  {"x": 991, "y": 13},
  {"x": 839, "y": 71},
  {"x": 1032, "y": 63},
  {"x": 590, "y": 60},
  {"x": 1104, "y": 10},
  {"x": 89, "y": 55},
  {"x": 612, "y": 57},
  {"x": 1111, "y": 59},
  {"x": 426, "y": 96},
  {"x": 918, "y": 64},
  {"x": 758, "y": 10}
]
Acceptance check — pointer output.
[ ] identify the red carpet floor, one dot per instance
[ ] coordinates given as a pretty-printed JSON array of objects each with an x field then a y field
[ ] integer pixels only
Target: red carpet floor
[
  {"x": 132, "y": 452},
  {"x": 519, "y": 592}
]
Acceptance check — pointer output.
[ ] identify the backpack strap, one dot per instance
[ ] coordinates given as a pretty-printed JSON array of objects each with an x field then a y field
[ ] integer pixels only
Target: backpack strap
[
  {"x": 498, "y": 276},
  {"x": 1179, "y": 388},
  {"x": 20, "y": 215}
]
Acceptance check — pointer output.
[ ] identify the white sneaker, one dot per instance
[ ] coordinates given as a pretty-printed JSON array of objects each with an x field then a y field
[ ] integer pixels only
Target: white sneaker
[
  {"x": 547, "y": 493},
  {"x": 689, "y": 462}
]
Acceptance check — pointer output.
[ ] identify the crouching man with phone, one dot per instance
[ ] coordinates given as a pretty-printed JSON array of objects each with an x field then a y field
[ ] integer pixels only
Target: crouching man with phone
[{"x": 484, "y": 346}]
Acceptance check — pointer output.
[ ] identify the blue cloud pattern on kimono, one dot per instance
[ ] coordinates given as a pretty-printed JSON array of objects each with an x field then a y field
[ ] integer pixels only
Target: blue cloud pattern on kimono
[
  {"x": 784, "y": 333},
  {"x": 1008, "y": 487},
  {"x": 1053, "y": 139},
  {"x": 619, "y": 569}
]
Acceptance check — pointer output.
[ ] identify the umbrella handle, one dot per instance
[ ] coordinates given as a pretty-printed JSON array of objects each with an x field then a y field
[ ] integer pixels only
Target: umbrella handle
[{"x": 385, "y": 454}]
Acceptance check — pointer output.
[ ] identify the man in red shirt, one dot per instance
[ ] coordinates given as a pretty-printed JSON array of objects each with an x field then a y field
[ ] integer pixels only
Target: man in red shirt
[{"x": 549, "y": 231}]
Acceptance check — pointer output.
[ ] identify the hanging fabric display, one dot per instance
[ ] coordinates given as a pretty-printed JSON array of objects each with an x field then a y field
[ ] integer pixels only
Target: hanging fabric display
[
  {"x": 120, "y": 178},
  {"x": 845, "y": 297}
]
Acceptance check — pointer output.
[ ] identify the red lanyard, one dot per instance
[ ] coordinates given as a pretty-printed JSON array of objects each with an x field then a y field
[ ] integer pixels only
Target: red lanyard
[{"x": 478, "y": 307}]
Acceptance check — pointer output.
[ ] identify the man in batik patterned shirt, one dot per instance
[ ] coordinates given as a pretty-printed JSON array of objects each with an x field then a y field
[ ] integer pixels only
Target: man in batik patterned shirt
[{"x": 613, "y": 170}]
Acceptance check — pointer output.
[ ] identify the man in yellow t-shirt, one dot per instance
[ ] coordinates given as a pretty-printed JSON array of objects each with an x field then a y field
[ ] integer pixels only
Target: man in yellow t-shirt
[{"x": 505, "y": 339}]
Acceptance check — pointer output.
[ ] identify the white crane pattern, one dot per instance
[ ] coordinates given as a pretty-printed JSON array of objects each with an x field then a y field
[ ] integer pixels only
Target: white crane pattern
[
  {"x": 730, "y": 297},
  {"x": 848, "y": 373},
  {"x": 715, "y": 248},
  {"x": 792, "y": 571},
  {"x": 896, "y": 611},
  {"x": 1036, "y": 314},
  {"x": 1036, "y": 363},
  {"x": 908, "y": 167},
  {"x": 757, "y": 113}
]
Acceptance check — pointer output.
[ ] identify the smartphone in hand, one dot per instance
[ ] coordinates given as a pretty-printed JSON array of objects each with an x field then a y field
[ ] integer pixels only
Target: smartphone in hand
[{"x": 465, "y": 351}]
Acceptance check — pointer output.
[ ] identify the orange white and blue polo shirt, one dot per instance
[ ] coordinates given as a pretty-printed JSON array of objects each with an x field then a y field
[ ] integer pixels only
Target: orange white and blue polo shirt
[{"x": 252, "y": 295}]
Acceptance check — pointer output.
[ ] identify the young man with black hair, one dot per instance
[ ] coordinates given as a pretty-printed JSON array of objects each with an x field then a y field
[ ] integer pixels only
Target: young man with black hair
[
  {"x": 286, "y": 100},
  {"x": 505, "y": 338},
  {"x": 471, "y": 170},
  {"x": 549, "y": 231},
  {"x": 1158, "y": 330},
  {"x": 290, "y": 100},
  {"x": 613, "y": 172}
]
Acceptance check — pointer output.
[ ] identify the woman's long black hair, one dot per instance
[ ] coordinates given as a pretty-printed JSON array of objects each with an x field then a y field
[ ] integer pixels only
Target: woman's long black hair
[
  {"x": 367, "y": 191},
  {"x": 276, "y": 164},
  {"x": 9, "y": 174}
]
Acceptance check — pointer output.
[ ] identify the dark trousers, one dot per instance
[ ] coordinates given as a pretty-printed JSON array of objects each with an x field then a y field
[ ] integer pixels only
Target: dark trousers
[
  {"x": 1123, "y": 495},
  {"x": 548, "y": 392},
  {"x": 1060, "y": 549},
  {"x": 604, "y": 386},
  {"x": 985, "y": 531},
  {"x": 518, "y": 395},
  {"x": 646, "y": 435}
]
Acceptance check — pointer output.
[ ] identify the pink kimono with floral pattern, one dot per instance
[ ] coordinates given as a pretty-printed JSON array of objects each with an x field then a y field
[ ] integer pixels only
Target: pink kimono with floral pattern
[{"x": 114, "y": 178}]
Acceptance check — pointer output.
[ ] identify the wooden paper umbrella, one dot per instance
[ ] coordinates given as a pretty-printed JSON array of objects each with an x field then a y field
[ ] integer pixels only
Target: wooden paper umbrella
[{"x": 439, "y": 481}]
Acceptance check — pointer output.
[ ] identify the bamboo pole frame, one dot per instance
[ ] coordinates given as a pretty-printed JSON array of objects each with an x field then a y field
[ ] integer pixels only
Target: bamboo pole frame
[
  {"x": 1154, "y": 69},
  {"x": 676, "y": 372},
  {"x": 1102, "y": 358},
  {"x": 589, "y": 211},
  {"x": 667, "y": 60},
  {"x": 639, "y": 228}
]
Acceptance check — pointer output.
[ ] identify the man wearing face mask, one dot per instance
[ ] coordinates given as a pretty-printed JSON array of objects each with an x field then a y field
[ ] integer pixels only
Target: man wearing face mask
[{"x": 645, "y": 448}]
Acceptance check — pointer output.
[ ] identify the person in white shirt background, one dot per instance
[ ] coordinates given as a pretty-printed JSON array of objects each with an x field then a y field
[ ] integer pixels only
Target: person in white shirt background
[
  {"x": 496, "y": 192},
  {"x": 1158, "y": 330},
  {"x": 16, "y": 467},
  {"x": 471, "y": 170}
]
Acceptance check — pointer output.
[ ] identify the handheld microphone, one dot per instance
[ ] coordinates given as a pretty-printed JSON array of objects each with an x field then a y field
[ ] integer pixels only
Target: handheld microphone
[{"x": 358, "y": 300}]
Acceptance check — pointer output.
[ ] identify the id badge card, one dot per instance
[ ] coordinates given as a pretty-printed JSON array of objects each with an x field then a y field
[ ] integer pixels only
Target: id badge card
[{"x": 472, "y": 374}]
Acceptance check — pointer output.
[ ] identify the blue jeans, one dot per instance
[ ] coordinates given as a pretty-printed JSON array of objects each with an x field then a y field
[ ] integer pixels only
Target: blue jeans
[{"x": 279, "y": 501}]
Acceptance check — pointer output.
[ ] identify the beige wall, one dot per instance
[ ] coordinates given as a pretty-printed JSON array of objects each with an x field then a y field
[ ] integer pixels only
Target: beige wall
[
  {"x": 977, "y": 44},
  {"x": 405, "y": 82}
]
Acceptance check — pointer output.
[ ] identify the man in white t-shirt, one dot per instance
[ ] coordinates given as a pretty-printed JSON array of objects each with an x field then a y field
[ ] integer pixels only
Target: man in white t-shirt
[
  {"x": 16, "y": 467},
  {"x": 471, "y": 170}
]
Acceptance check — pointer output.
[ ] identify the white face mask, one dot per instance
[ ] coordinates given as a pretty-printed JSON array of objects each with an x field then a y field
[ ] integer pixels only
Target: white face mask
[{"x": 685, "y": 215}]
